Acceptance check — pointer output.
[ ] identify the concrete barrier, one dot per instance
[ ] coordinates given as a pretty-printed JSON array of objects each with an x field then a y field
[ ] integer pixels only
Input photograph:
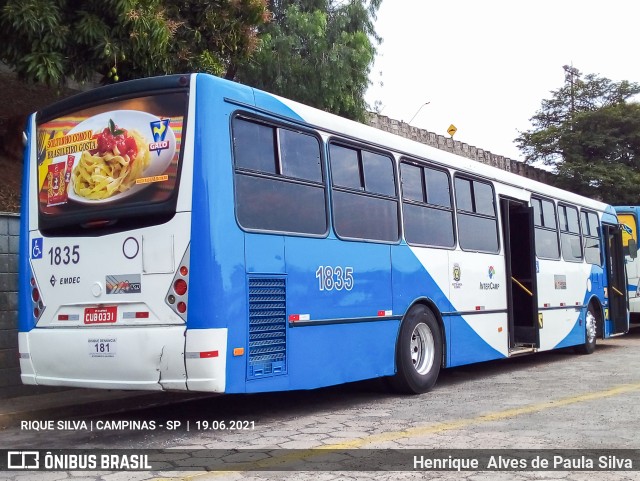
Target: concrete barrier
[{"x": 9, "y": 235}]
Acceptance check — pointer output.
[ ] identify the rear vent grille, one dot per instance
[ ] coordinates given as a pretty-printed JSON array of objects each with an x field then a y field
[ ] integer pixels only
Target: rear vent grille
[{"x": 267, "y": 327}]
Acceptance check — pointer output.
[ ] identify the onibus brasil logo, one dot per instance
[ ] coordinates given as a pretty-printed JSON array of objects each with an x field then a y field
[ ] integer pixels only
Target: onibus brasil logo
[{"x": 159, "y": 130}]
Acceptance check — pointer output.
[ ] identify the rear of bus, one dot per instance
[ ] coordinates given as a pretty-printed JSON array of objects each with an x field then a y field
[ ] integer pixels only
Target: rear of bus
[
  {"x": 628, "y": 218},
  {"x": 105, "y": 241}
]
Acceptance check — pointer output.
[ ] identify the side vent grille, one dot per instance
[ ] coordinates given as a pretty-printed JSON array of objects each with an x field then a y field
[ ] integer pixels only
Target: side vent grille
[{"x": 267, "y": 327}]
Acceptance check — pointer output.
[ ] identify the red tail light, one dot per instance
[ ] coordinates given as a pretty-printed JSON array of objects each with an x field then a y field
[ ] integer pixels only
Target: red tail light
[
  {"x": 36, "y": 299},
  {"x": 176, "y": 297},
  {"x": 180, "y": 286}
]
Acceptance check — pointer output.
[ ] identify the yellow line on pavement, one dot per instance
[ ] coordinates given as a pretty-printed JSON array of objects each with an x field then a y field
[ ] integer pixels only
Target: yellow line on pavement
[{"x": 418, "y": 431}]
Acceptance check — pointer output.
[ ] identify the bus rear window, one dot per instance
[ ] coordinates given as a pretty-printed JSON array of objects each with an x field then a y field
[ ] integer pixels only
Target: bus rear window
[{"x": 113, "y": 164}]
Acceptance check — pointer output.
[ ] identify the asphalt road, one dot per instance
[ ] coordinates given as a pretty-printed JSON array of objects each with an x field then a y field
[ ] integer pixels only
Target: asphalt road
[{"x": 550, "y": 401}]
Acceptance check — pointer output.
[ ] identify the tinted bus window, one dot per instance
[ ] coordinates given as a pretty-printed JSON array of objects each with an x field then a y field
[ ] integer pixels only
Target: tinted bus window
[
  {"x": 477, "y": 222},
  {"x": 364, "y": 199},
  {"x": 278, "y": 179},
  {"x": 378, "y": 174},
  {"x": 345, "y": 169},
  {"x": 428, "y": 217},
  {"x": 259, "y": 154},
  {"x": 464, "y": 197},
  {"x": 484, "y": 199},
  {"x": 412, "y": 188},
  {"x": 570, "y": 234},
  {"x": 591, "y": 237},
  {"x": 438, "y": 187},
  {"x": 300, "y": 154},
  {"x": 546, "y": 233}
]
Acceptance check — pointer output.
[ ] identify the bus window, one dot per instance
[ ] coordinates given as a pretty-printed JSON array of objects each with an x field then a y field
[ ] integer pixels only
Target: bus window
[
  {"x": 477, "y": 222},
  {"x": 259, "y": 154},
  {"x": 364, "y": 198},
  {"x": 438, "y": 187},
  {"x": 428, "y": 217},
  {"x": 378, "y": 174},
  {"x": 278, "y": 179},
  {"x": 546, "y": 230},
  {"x": 591, "y": 238},
  {"x": 570, "y": 233},
  {"x": 300, "y": 156}
]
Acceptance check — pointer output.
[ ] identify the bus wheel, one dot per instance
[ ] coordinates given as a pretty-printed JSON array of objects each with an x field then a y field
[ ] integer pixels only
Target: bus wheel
[
  {"x": 418, "y": 352},
  {"x": 590, "y": 323}
]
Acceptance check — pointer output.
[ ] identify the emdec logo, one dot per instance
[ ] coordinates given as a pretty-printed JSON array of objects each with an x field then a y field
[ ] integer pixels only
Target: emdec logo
[{"x": 159, "y": 130}]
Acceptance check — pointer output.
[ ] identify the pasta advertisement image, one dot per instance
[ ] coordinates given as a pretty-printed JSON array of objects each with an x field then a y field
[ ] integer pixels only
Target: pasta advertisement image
[{"x": 112, "y": 154}]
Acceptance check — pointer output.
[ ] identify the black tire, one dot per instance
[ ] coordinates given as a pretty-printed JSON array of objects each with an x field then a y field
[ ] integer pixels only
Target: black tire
[
  {"x": 418, "y": 352},
  {"x": 590, "y": 332}
]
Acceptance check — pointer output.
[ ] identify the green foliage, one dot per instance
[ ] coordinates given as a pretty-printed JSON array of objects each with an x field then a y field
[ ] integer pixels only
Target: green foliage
[
  {"x": 318, "y": 52},
  {"x": 52, "y": 41},
  {"x": 602, "y": 152},
  {"x": 590, "y": 134}
]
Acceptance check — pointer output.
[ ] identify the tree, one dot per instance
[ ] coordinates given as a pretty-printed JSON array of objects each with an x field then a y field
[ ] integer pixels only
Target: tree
[
  {"x": 586, "y": 133},
  {"x": 318, "y": 52},
  {"x": 53, "y": 41},
  {"x": 602, "y": 154}
]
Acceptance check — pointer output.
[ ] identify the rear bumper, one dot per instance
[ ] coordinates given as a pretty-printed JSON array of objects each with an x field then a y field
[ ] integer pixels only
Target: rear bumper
[{"x": 141, "y": 358}]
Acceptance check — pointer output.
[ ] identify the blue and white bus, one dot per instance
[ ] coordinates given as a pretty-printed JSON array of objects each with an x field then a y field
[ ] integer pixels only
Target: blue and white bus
[
  {"x": 190, "y": 233},
  {"x": 628, "y": 218}
]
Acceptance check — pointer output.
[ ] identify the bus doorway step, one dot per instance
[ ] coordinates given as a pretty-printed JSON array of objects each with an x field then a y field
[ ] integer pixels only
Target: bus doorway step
[{"x": 519, "y": 350}]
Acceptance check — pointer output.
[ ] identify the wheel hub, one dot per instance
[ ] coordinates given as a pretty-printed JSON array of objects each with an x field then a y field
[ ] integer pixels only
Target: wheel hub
[{"x": 422, "y": 348}]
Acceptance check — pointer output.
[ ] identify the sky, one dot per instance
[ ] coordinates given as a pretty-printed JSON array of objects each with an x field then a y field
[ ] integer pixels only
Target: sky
[{"x": 486, "y": 65}]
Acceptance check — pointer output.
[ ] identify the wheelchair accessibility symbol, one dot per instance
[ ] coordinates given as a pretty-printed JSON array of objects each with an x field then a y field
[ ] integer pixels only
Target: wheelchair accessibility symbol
[{"x": 36, "y": 248}]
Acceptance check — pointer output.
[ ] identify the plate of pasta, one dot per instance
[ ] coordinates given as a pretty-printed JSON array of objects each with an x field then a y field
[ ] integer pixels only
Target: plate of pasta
[{"x": 124, "y": 157}]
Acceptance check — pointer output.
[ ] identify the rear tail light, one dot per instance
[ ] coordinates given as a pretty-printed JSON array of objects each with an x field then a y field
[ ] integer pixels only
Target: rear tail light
[
  {"x": 37, "y": 306},
  {"x": 180, "y": 286},
  {"x": 177, "y": 296}
]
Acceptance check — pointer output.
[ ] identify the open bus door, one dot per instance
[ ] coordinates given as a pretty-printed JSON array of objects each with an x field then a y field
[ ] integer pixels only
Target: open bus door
[
  {"x": 520, "y": 261},
  {"x": 616, "y": 279}
]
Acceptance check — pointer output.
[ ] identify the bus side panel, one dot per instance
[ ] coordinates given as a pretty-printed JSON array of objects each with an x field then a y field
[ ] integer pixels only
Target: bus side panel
[
  {"x": 217, "y": 288},
  {"x": 217, "y": 252},
  {"x": 577, "y": 335},
  {"x": 322, "y": 356},
  {"x": 334, "y": 280},
  {"x": 562, "y": 284},
  {"x": 26, "y": 321},
  {"x": 339, "y": 353},
  {"x": 412, "y": 281},
  {"x": 593, "y": 290}
]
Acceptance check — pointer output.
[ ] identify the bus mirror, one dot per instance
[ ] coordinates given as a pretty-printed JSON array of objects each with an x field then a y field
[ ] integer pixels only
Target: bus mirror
[{"x": 633, "y": 248}]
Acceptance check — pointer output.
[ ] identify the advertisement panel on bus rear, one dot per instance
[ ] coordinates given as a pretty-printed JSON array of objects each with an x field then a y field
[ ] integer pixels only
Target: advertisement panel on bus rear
[{"x": 111, "y": 154}]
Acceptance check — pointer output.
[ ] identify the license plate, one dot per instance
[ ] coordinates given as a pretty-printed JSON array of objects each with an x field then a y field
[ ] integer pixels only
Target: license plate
[{"x": 100, "y": 315}]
